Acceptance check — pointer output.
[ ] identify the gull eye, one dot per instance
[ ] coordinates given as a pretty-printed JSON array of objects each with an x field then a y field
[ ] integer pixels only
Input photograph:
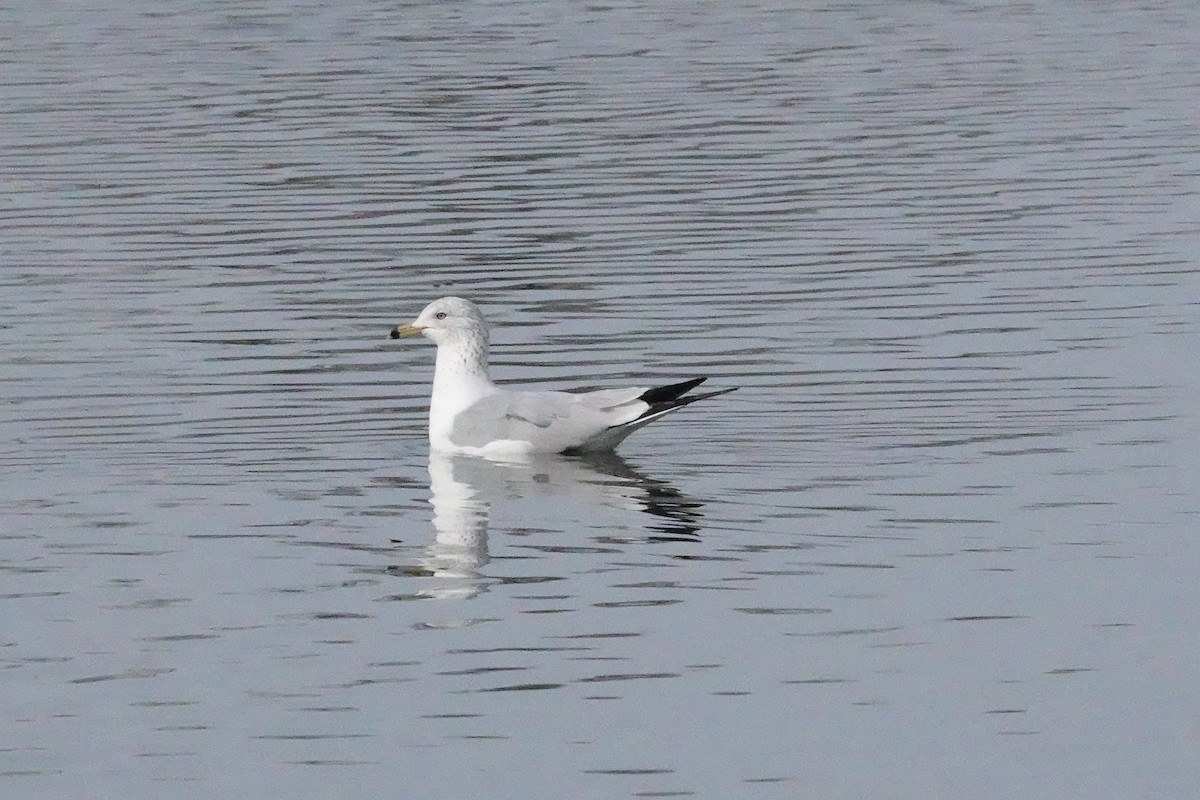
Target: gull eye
[{"x": 440, "y": 315}]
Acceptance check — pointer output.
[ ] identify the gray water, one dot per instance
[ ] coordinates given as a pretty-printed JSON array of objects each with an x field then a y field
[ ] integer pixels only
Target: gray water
[{"x": 940, "y": 544}]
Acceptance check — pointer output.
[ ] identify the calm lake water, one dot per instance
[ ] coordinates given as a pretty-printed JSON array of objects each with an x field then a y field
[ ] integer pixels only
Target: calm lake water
[{"x": 941, "y": 544}]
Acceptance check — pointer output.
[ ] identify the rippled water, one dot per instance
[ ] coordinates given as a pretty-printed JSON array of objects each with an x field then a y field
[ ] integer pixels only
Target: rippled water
[{"x": 940, "y": 544}]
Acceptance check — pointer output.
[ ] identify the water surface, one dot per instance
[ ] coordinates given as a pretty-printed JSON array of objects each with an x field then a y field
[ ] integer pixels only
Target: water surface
[{"x": 940, "y": 543}]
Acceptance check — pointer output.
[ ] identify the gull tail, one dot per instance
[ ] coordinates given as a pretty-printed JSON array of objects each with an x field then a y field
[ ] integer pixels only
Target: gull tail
[
  {"x": 669, "y": 398},
  {"x": 662, "y": 400}
]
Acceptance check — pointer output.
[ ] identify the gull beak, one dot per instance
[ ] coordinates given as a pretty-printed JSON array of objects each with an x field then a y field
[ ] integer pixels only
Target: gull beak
[{"x": 405, "y": 330}]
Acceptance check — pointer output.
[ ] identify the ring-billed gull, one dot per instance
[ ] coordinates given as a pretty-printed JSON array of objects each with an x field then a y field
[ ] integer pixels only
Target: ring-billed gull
[{"x": 470, "y": 414}]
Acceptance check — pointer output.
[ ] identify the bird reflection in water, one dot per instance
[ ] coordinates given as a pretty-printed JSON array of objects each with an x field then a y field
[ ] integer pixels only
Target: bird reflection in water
[
  {"x": 677, "y": 517},
  {"x": 463, "y": 490}
]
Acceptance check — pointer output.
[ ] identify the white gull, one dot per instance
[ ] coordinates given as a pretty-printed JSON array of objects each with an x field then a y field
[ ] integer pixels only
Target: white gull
[{"x": 470, "y": 414}]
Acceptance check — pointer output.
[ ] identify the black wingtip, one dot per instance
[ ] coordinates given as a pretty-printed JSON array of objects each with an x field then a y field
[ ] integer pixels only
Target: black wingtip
[
  {"x": 707, "y": 395},
  {"x": 665, "y": 394},
  {"x": 669, "y": 398}
]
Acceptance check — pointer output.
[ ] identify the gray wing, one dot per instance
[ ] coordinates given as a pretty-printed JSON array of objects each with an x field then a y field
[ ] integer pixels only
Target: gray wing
[
  {"x": 563, "y": 422},
  {"x": 549, "y": 421}
]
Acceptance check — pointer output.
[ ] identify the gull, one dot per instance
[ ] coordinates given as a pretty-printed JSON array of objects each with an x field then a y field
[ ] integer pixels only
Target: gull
[{"x": 470, "y": 414}]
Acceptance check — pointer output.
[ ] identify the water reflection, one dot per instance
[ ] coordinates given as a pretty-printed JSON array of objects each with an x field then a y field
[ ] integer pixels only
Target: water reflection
[
  {"x": 463, "y": 490},
  {"x": 460, "y": 519}
]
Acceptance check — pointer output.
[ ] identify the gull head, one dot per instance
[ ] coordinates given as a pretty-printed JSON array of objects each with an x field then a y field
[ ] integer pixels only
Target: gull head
[{"x": 447, "y": 320}]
